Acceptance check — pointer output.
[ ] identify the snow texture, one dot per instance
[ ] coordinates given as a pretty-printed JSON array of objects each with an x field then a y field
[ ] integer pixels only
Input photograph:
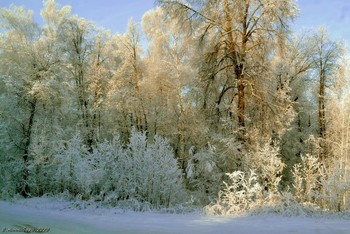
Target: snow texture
[{"x": 60, "y": 218}]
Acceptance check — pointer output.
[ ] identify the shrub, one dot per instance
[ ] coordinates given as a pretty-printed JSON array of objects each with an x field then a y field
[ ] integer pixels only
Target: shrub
[
  {"x": 268, "y": 165},
  {"x": 321, "y": 185},
  {"x": 306, "y": 178},
  {"x": 242, "y": 194},
  {"x": 335, "y": 184},
  {"x": 203, "y": 175},
  {"x": 144, "y": 172}
]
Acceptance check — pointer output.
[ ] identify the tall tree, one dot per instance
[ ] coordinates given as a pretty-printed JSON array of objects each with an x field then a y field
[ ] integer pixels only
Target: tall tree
[
  {"x": 126, "y": 94},
  {"x": 326, "y": 55},
  {"x": 169, "y": 80},
  {"x": 245, "y": 29},
  {"x": 28, "y": 69},
  {"x": 82, "y": 60}
]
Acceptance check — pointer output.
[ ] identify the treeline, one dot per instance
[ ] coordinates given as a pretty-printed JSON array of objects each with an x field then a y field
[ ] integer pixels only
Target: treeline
[{"x": 226, "y": 82}]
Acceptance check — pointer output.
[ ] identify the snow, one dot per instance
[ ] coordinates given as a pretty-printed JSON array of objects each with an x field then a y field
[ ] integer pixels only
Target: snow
[{"x": 60, "y": 217}]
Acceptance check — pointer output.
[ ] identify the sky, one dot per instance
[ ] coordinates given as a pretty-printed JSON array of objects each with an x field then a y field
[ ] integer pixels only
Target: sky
[
  {"x": 109, "y": 14},
  {"x": 334, "y": 15}
]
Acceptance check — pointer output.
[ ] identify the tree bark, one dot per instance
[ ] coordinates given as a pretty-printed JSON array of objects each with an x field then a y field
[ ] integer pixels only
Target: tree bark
[
  {"x": 321, "y": 106},
  {"x": 241, "y": 101},
  {"x": 28, "y": 137},
  {"x": 238, "y": 61},
  {"x": 322, "y": 115}
]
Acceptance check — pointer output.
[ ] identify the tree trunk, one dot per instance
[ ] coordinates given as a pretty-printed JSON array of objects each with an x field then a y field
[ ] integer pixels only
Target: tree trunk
[
  {"x": 322, "y": 115},
  {"x": 321, "y": 106},
  {"x": 241, "y": 101},
  {"x": 238, "y": 62},
  {"x": 180, "y": 148},
  {"x": 28, "y": 136}
]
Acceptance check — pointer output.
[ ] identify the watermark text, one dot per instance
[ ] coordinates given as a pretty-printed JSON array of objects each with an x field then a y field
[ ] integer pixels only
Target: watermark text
[{"x": 26, "y": 230}]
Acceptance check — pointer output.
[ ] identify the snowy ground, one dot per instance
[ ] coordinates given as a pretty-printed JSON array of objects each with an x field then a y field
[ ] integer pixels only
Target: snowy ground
[{"x": 44, "y": 213}]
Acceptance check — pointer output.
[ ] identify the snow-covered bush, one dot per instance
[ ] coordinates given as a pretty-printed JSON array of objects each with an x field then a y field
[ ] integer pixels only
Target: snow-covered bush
[
  {"x": 240, "y": 195},
  {"x": 318, "y": 185},
  {"x": 11, "y": 161},
  {"x": 203, "y": 175},
  {"x": 146, "y": 172},
  {"x": 10, "y": 177},
  {"x": 335, "y": 183},
  {"x": 108, "y": 168},
  {"x": 41, "y": 169},
  {"x": 255, "y": 189},
  {"x": 68, "y": 162},
  {"x": 306, "y": 178},
  {"x": 268, "y": 165},
  {"x": 154, "y": 175},
  {"x": 283, "y": 203}
]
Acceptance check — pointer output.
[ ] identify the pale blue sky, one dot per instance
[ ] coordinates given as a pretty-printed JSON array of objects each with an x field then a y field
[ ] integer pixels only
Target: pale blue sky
[
  {"x": 332, "y": 14},
  {"x": 109, "y": 14},
  {"x": 114, "y": 14}
]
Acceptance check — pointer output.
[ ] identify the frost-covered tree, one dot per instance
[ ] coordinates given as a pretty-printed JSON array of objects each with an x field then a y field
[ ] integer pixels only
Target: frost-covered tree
[
  {"x": 325, "y": 57},
  {"x": 76, "y": 36},
  {"x": 295, "y": 68},
  {"x": 28, "y": 69},
  {"x": 336, "y": 183},
  {"x": 37, "y": 71},
  {"x": 169, "y": 82},
  {"x": 239, "y": 36},
  {"x": 126, "y": 97},
  {"x": 86, "y": 113}
]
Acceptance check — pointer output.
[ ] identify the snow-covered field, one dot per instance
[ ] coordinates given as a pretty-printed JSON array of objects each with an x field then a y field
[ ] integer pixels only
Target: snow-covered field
[{"x": 55, "y": 215}]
